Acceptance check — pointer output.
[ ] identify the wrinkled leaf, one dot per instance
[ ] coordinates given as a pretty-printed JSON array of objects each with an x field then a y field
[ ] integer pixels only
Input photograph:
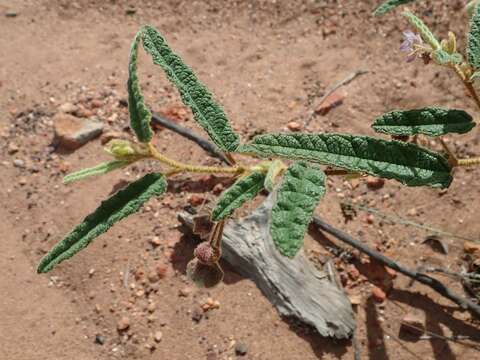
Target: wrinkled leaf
[
  {"x": 100, "y": 169},
  {"x": 389, "y": 5},
  {"x": 408, "y": 163},
  {"x": 428, "y": 121},
  {"x": 140, "y": 115},
  {"x": 193, "y": 93},
  {"x": 246, "y": 188},
  {"x": 112, "y": 210},
  {"x": 473, "y": 48},
  {"x": 302, "y": 188}
]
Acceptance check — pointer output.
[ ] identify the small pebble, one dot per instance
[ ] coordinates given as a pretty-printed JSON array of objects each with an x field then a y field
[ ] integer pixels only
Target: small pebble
[
  {"x": 241, "y": 349},
  {"x": 99, "y": 339},
  {"x": 123, "y": 324},
  {"x": 158, "y": 336}
]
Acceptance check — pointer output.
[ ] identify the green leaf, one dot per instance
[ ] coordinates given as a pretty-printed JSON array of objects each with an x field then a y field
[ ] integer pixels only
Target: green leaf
[
  {"x": 423, "y": 30},
  {"x": 114, "y": 209},
  {"x": 428, "y": 121},
  {"x": 193, "y": 93},
  {"x": 407, "y": 163},
  {"x": 302, "y": 188},
  {"x": 140, "y": 115},
  {"x": 470, "y": 7},
  {"x": 441, "y": 57},
  {"x": 246, "y": 188},
  {"x": 100, "y": 169},
  {"x": 389, "y": 5},
  {"x": 275, "y": 169},
  {"x": 473, "y": 48}
]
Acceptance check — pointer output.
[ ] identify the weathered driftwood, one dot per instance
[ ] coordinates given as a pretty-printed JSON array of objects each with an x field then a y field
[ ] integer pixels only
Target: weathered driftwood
[{"x": 294, "y": 286}]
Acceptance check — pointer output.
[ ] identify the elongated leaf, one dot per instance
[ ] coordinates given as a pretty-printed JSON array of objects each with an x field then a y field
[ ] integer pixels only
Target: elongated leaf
[
  {"x": 389, "y": 5},
  {"x": 473, "y": 49},
  {"x": 100, "y": 169},
  {"x": 428, "y": 121},
  {"x": 194, "y": 94},
  {"x": 117, "y": 207},
  {"x": 140, "y": 115},
  {"x": 274, "y": 170},
  {"x": 407, "y": 163},
  {"x": 302, "y": 188},
  {"x": 235, "y": 196}
]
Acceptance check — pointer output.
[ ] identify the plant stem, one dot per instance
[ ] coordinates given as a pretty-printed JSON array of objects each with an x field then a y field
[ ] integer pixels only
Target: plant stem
[
  {"x": 468, "y": 162},
  {"x": 181, "y": 167},
  {"x": 467, "y": 84}
]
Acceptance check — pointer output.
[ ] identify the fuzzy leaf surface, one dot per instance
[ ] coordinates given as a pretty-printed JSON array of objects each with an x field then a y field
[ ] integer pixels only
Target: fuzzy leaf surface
[
  {"x": 473, "y": 48},
  {"x": 100, "y": 169},
  {"x": 428, "y": 121},
  {"x": 193, "y": 93},
  {"x": 122, "y": 204},
  {"x": 140, "y": 115},
  {"x": 302, "y": 188},
  {"x": 389, "y": 5},
  {"x": 408, "y": 163},
  {"x": 246, "y": 188}
]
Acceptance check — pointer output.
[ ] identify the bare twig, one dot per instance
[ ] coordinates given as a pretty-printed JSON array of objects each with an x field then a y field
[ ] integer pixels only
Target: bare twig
[
  {"x": 403, "y": 221},
  {"x": 187, "y": 133},
  {"x": 347, "y": 80},
  {"x": 420, "y": 277},
  {"x": 344, "y": 237}
]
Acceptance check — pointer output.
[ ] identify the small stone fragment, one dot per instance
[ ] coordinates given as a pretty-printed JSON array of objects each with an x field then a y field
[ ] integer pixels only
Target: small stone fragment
[
  {"x": 12, "y": 149},
  {"x": 11, "y": 13},
  {"x": 123, "y": 324},
  {"x": 99, "y": 339},
  {"x": 471, "y": 248},
  {"x": 294, "y": 126},
  {"x": 158, "y": 336},
  {"x": 68, "y": 108},
  {"x": 155, "y": 241},
  {"x": 241, "y": 349},
  {"x": 413, "y": 325},
  {"x": 72, "y": 132},
  {"x": 375, "y": 183},
  {"x": 197, "y": 314},
  {"x": 195, "y": 200},
  {"x": 185, "y": 292},
  {"x": 378, "y": 294},
  {"x": 331, "y": 102},
  {"x": 19, "y": 163},
  {"x": 110, "y": 135}
]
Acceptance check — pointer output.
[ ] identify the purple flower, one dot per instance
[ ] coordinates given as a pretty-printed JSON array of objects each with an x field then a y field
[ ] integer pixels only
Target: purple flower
[{"x": 410, "y": 40}]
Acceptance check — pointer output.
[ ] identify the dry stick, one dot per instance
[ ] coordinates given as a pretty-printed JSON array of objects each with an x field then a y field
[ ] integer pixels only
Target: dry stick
[
  {"x": 187, "y": 133},
  {"x": 336, "y": 86},
  {"x": 344, "y": 237},
  {"x": 420, "y": 277}
]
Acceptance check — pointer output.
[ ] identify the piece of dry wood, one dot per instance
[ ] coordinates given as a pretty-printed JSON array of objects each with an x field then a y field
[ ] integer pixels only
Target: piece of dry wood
[{"x": 294, "y": 286}]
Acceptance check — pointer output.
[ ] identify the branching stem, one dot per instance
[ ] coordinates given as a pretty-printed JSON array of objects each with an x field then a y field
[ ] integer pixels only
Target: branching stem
[{"x": 178, "y": 167}]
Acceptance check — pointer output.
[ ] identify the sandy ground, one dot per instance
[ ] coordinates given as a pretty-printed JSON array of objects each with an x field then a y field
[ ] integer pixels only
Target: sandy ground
[{"x": 267, "y": 62}]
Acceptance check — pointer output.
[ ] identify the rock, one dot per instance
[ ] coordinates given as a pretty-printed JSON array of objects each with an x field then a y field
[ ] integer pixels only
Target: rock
[
  {"x": 375, "y": 183},
  {"x": 413, "y": 325},
  {"x": 331, "y": 102},
  {"x": 68, "y": 108},
  {"x": 11, "y": 13},
  {"x": 19, "y": 163},
  {"x": 185, "y": 292},
  {"x": 153, "y": 276},
  {"x": 378, "y": 294},
  {"x": 71, "y": 132},
  {"x": 99, "y": 339},
  {"x": 123, "y": 324},
  {"x": 196, "y": 200},
  {"x": 12, "y": 149},
  {"x": 294, "y": 126},
  {"x": 471, "y": 248},
  {"x": 155, "y": 241},
  {"x": 241, "y": 349},
  {"x": 162, "y": 270},
  {"x": 158, "y": 336},
  {"x": 110, "y": 135},
  {"x": 197, "y": 314}
]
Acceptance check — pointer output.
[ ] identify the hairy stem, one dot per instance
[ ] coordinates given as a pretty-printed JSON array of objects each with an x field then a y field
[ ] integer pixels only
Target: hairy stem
[
  {"x": 468, "y": 84},
  {"x": 468, "y": 162},
  {"x": 181, "y": 167}
]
